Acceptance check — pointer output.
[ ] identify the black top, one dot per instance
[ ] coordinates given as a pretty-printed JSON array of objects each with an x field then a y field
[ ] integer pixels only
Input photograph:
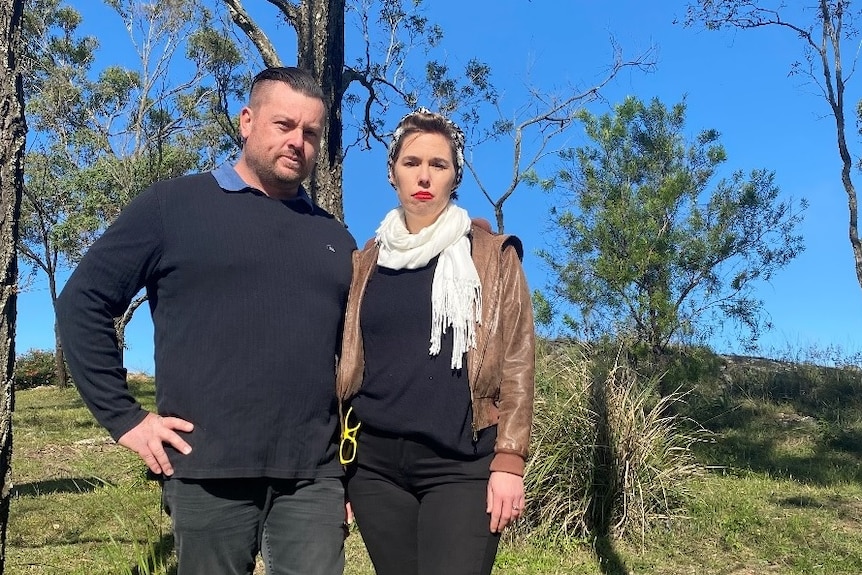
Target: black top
[
  {"x": 247, "y": 295},
  {"x": 405, "y": 391}
]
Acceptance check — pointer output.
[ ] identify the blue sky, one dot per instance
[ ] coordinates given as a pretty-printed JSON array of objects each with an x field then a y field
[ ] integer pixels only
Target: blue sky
[{"x": 735, "y": 82}]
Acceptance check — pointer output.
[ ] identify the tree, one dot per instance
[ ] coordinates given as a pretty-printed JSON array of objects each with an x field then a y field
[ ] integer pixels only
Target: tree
[
  {"x": 319, "y": 26},
  {"x": 12, "y": 136},
  {"x": 650, "y": 243},
  {"x": 98, "y": 142},
  {"x": 45, "y": 207},
  {"x": 55, "y": 62},
  {"x": 547, "y": 117},
  {"x": 380, "y": 81},
  {"x": 824, "y": 29},
  {"x": 320, "y": 39}
]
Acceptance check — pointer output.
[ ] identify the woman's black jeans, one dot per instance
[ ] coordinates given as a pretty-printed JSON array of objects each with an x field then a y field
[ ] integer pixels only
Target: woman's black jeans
[{"x": 420, "y": 513}]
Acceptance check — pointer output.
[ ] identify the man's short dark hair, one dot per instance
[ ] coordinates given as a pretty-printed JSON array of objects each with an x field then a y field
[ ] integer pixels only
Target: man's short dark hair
[{"x": 298, "y": 79}]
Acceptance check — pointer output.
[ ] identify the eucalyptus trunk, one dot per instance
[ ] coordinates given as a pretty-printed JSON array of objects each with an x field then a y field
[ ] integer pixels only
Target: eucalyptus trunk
[
  {"x": 320, "y": 49},
  {"x": 319, "y": 26},
  {"x": 12, "y": 137},
  {"x": 60, "y": 374}
]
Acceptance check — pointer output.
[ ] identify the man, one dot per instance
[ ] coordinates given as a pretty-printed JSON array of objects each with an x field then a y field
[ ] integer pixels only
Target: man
[{"x": 247, "y": 281}]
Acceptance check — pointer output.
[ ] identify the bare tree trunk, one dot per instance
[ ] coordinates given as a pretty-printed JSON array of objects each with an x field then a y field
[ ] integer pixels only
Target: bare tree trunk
[
  {"x": 121, "y": 322},
  {"x": 835, "y": 97},
  {"x": 59, "y": 358},
  {"x": 320, "y": 49},
  {"x": 319, "y": 26},
  {"x": 13, "y": 134},
  {"x": 822, "y": 41}
]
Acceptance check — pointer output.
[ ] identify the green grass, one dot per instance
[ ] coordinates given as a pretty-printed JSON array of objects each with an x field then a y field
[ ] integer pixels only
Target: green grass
[{"x": 781, "y": 492}]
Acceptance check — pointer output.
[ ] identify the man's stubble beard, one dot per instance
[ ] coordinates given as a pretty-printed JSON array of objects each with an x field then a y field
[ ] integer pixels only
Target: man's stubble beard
[{"x": 270, "y": 174}]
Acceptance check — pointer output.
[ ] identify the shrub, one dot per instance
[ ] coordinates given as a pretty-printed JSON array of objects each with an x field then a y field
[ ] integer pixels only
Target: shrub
[
  {"x": 35, "y": 368},
  {"x": 608, "y": 457},
  {"x": 643, "y": 455}
]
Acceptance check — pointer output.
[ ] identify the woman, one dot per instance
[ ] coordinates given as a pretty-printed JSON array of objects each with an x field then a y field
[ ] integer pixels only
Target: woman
[{"x": 445, "y": 428}]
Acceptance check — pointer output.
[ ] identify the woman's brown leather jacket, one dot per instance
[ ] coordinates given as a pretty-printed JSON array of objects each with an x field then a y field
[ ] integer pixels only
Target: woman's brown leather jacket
[{"x": 500, "y": 368}]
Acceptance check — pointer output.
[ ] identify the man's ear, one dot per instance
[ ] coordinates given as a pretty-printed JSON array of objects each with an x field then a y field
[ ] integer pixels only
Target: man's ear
[
  {"x": 482, "y": 223},
  {"x": 244, "y": 122}
]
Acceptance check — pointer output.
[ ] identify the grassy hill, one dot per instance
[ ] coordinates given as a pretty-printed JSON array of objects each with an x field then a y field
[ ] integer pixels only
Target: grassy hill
[{"x": 777, "y": 486}]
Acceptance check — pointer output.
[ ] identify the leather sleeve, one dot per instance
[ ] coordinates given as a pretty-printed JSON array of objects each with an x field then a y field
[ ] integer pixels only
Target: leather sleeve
[
  {"x": 352, "y": 361},
  {"x": 517, "y": 386}
]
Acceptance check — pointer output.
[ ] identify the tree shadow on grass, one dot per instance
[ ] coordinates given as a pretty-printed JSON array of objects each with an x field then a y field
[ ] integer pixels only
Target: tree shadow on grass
[
  {"x": 610, "y": 562},
  {"x": 825, "y": 466},
  {"x": 65, "y": 485},
  {"x": 785, "y": 445},
  {"x": 606, "y": 492},
  {"x": 845, "y": 507},
  {"x": 144, "y": 557}
]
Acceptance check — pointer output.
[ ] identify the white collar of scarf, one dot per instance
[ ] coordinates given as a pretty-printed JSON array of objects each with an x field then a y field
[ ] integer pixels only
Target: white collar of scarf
[{"x": 456, "y": 293}]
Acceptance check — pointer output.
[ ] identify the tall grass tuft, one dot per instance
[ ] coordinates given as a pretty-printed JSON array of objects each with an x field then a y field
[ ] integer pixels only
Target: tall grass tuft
[
  {"x": 152, "y": 553},
  {"x": 558, "y": 470},
  {"x": 609, "y": 457},
  {"x": 642, "y": 454}
]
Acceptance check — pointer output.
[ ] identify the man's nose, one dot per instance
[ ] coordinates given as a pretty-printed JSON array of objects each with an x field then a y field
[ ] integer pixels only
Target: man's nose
[{"x": 295, "y": 139}]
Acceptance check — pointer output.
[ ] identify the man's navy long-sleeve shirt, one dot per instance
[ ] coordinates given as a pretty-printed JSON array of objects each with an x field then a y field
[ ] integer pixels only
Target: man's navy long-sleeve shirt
[{"x": 247, "y": 295}]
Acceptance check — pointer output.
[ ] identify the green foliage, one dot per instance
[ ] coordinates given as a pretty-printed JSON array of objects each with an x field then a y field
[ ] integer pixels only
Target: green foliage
[
  {"x": 541, "y": 309},
  {"x": 35, "y": 368},
  {"x": 100, "y": 136},
  {"x": 649, "y": 245}
]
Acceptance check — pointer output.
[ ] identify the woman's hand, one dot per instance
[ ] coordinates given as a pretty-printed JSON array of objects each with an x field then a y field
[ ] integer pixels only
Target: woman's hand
[{"x": 505, "y": 499}]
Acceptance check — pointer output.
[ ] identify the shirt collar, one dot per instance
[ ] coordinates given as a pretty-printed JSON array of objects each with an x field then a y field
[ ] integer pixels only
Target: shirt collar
[{"x": 229, "y": 180}]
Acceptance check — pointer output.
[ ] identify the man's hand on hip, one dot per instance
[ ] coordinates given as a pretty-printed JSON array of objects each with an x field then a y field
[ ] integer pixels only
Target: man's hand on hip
[{"x": 147, "y": 439}]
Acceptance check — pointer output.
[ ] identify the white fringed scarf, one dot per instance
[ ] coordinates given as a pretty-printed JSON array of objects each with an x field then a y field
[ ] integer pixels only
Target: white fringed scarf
[{"x": 456, "y": 293}]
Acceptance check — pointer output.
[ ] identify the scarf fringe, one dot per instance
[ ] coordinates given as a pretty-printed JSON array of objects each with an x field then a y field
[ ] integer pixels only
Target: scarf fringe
[{"x": 450, "y": 313}]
